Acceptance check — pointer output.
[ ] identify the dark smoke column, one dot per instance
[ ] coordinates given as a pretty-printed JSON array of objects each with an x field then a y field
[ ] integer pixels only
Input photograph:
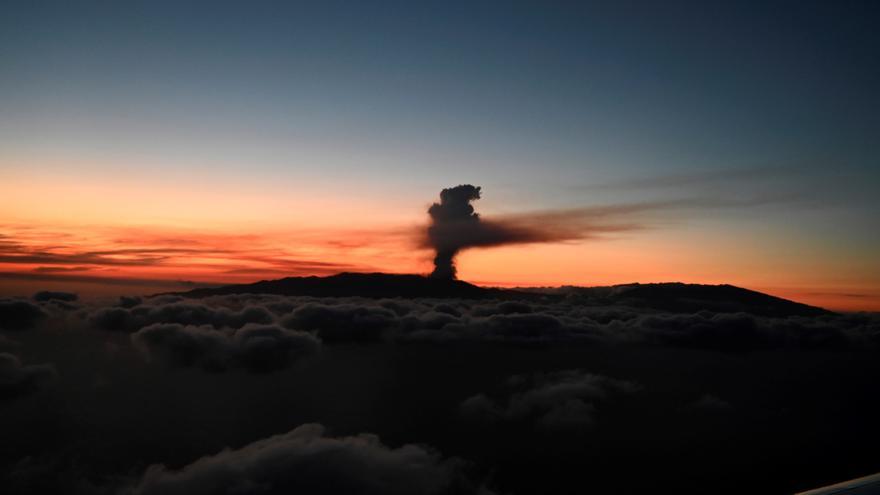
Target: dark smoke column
[{"x": 451, "y": 216}]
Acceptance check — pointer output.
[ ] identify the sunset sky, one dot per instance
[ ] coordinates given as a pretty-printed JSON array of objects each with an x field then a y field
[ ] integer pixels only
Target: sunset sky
[{"x": 149, "y": 146}]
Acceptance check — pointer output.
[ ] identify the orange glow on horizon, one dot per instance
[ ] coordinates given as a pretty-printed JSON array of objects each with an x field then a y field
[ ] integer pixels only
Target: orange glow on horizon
[
  {"x": 172, "y": 259},
  {"x": 141, "y": 232}
]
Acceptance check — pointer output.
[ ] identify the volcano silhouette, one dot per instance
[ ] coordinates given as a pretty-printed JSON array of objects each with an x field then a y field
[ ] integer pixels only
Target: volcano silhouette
[{"x": 671, "y": 297}]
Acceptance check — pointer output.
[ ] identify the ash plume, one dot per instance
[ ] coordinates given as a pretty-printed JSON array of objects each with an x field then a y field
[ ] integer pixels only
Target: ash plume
[
  {"x": 452, "y": 219},
  {"x": 456, "y": 226}
]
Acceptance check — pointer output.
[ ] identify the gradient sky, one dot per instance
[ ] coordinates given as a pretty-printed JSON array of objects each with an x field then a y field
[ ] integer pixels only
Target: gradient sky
[{"x": 147, "y": 143}]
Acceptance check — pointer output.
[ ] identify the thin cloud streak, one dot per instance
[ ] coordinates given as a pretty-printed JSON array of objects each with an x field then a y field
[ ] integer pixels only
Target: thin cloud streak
[
  {"x": 695, "y": 178},
  {"x": 114, "y": 280},
  {"x": 147, "y": 256},
  {"x": 598, "y": 222},
  {"x": 62, "y": 269}
]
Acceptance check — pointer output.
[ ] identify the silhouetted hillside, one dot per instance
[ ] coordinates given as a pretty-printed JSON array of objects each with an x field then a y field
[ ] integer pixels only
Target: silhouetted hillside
[
  {"x": 376, "y": 285},
  {"x": 689, "y": 298},
  {"x": 672, "y": 297}
]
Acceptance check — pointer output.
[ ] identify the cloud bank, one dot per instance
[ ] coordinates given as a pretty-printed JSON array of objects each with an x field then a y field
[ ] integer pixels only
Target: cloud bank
[
  {"x": 214, "y": 322},
  {"x": 536, "y": 395},
  {"x": 257, "y": 348},
  {"x": 17, "y": 314},
  {"x": 562, "y": 401},
  {"x": 307, "y": 461},
  {"x": 18, "y": 380}
]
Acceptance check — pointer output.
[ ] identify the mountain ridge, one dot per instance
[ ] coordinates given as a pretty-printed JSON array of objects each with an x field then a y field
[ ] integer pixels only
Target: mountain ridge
[{"x": 669, "y": 296}]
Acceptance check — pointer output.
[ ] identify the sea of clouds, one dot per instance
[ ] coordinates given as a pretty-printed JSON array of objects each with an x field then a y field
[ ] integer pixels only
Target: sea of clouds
[{"x": 272, "y": 394}]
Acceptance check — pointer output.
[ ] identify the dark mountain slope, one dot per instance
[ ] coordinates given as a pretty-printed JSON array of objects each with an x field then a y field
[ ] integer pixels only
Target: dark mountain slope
[
  {"x": 376, "y": 285},
  {"x": 677, "y": 297},
  {"x": 671, "y": 297}
]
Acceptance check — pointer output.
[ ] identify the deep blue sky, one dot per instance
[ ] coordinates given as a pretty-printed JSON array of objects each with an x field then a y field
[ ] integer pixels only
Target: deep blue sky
[{"x": 633, "y": 87}]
